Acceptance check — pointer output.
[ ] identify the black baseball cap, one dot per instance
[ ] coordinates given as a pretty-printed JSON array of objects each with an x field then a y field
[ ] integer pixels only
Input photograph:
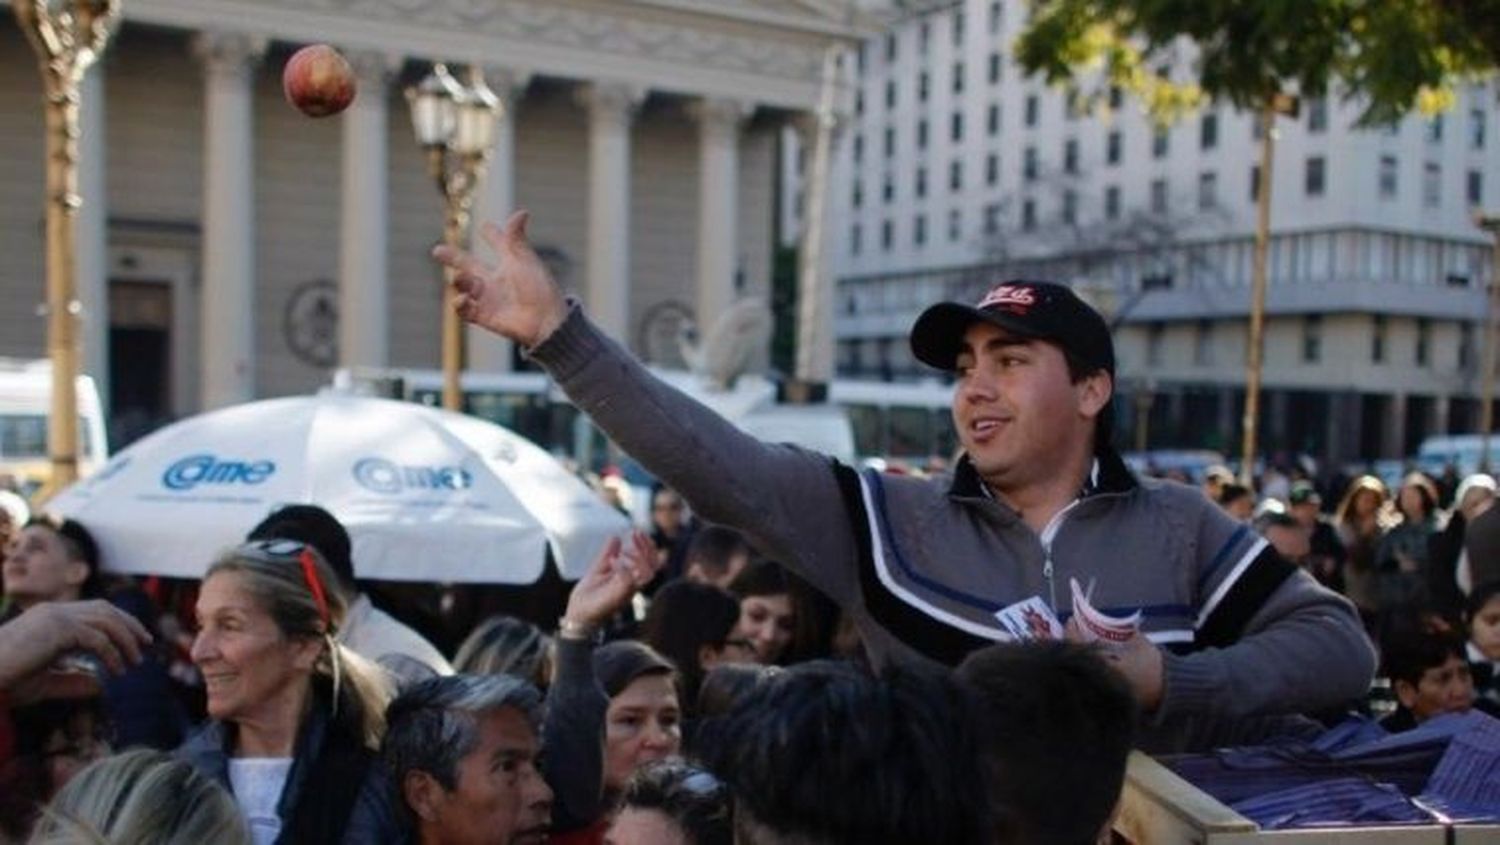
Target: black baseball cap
[{"x": 1041, "y": 310}]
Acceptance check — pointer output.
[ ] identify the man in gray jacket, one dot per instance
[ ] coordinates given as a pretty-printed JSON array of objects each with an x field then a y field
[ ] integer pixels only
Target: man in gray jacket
[{"x": 1232, "y": 636}]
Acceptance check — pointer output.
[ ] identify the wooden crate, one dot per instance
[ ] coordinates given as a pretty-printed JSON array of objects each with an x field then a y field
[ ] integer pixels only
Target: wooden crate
[{"x": 1159, "y": 807}]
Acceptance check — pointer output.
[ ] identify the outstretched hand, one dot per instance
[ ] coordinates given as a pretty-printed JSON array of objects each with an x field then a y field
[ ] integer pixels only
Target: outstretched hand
[
  {"x": 31, "y": 643},
  {"x": 613, "y": 580},
  {"x": 516, "y": 297}
]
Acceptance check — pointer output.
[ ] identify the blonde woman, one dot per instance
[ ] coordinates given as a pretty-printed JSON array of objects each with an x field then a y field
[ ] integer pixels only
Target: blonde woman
[
  {"x": 1361, "y": 522},
  {"x": 295, "y": 717},
  {"x": 141, "y": 797}
]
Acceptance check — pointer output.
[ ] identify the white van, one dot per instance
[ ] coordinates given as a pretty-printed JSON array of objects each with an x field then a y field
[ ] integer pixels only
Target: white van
[
  {"x": 25, "y": 403},
  {"x": 1460, "y": 450}
]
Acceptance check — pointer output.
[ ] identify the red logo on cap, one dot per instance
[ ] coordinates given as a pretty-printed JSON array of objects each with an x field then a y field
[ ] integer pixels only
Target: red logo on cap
[{"x": 1017, "y": 298}]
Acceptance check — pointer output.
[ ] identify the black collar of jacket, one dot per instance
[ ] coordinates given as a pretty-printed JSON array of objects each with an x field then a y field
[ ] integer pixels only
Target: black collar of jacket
[{"x": 1114, "y": 477}]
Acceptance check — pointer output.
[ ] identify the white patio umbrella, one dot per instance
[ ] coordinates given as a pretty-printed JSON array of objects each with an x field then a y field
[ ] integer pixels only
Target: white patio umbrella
[{"x": 427, "y": 495}]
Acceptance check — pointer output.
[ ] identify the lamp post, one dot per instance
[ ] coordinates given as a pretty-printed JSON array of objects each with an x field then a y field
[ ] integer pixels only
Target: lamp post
[
  {"x": 68, "y": 41},
  {"x": 455, "y": 123},
  {"x": 1490, "y": 223}
]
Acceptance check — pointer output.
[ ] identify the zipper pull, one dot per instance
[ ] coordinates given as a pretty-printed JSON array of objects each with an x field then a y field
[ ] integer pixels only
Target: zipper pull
[{"x": 1047, "y": 572}]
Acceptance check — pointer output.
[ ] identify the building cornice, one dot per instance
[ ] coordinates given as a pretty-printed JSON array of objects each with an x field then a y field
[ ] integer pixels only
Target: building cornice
[{"x": 701, "y": 54}]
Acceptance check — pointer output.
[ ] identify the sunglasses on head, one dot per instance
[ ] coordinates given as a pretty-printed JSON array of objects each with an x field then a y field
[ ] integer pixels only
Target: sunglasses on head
[{"x": 277, "y": 550}]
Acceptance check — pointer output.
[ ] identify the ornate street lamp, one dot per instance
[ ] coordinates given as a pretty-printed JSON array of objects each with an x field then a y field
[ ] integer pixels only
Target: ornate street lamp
[
  {"x": 68, "y": 40},
  {"x": 456, "y": 124}
]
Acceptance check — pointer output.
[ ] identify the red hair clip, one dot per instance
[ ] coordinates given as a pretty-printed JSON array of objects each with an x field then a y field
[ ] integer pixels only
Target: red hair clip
[{"x": 310, "y": 572}]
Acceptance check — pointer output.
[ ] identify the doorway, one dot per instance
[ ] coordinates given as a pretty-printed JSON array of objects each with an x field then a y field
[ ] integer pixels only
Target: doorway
[{"x": 140, "y": 359}]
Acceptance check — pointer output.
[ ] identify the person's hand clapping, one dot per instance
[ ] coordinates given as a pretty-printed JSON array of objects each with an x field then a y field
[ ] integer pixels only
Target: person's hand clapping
[
  {"x": 516, "y": 297},
  {"x": 31, "y": 643},
  {"x": 611, "y": 582}
]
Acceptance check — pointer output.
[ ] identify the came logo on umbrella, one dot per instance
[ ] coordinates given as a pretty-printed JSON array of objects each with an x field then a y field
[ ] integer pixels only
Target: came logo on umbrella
[
  {"x": 383, "y": 476},
  {"x": 208, "y": 469}
]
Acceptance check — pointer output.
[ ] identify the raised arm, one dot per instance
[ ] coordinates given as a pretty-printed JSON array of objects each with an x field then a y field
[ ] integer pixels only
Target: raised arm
[{"x": 784, "y": 498}]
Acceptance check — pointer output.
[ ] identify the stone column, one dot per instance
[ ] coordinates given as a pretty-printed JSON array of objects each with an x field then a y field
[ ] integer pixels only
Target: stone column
[
  {"x": 495, "y": 200},
  {"x": 227, "y": 351},
  {"x": 364, "y": 215},
  {"x": 1393, "y": 441},
  {"x": 719, "y": 123},
  {"x": 91, "y": 247},
  {"x": 611, "y": 109}
]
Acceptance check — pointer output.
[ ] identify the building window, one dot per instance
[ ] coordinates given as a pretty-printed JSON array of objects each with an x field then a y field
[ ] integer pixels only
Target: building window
[
  {"x": 991, "y": 169},
  {"x": 1116, "y": 97},
  {"x": 890, "y": 141},
  {"x": 921, "y": 182},
  {"x": 1424, "y": 341},
  {"x": 860, "y": 56},
  {"x": 859, "y": 101},
  {"x": 958, "y": 77},
  {"x": 1070, "y": 207},
  {"x": 890, "y": 94},
  {"x": 1432, "y": 184},
  {"x": 1112, "y": 144},
  {"x": 859, "y": 148},
  {"x": 859, "y": 195},
  {"x": 1208, "y": 190},
  {"x": 924, "y": 37},
  {"x": 924, "y": 83},
  {"x": 922, "y": 134},
  {"x": 1156, "y": 336},
  {"x": 1112, "y": 202},
  {"x": 1255, "y": 183},
  {"x": 955, "y": 224},
  {"x": 994, "y": 68},
  {"x": 1159, "y": 139},
  {"x": 1377, "y": 339},
  {"x": 955, "y": 175},
  {"x": 1028, "y": 214},
  {"x": 1435, "y": 129},
  {"x": 995, "y": 18},
  {"x": 1032, "y": 109},
  {"x": 956, "y": 126},
  {"x": 1475, "y": 190},
  {"x": 919, "y": 230},
  {"x": 1312, "y": 338},
  {"x": 992, "y": 120},
  {"x": 1476, "y": 129},
  {"x": 1070, "y": 155},
  {"x": 958, "y": 28},
  {"x": 1159, "y": 196},
  {"x": 854, "y": 239},
  {"x": 888, "y": 189},
  {"x": 886, "y": 234},
  {"x": 1317, "y": 115},
  {"x": 1029, "y": 167},
  {"x": 992, "y": 218},
  {"x": 1312, "y": 181},
  {"x": 1203, "y": 343},
  {"x": 1387, "y": 177},
  {"x": 890, "y": 47},
  {"x": 1208, "y": 131},
  {"x": 1465, "y": 346}
]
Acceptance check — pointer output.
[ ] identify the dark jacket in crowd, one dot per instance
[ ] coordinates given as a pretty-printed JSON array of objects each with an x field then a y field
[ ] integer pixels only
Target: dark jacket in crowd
[{"x": 329, "y": 765}]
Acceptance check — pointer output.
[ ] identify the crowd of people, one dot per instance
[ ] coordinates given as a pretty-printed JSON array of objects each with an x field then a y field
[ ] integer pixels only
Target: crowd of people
[{"x": 818, "y": 654}]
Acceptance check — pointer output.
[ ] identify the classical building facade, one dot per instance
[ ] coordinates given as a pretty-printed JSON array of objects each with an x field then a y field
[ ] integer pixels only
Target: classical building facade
[
  {"x": 956, "y": 170},
  {"x": 231, "y": 248}
]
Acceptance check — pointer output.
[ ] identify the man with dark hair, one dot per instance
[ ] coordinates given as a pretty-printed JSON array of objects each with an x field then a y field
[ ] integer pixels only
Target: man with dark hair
[
  {"x": 1229, "y": 630},
  {"x": 371, "y": 632},
  {"x": 462, "y": 752},
  {"x": 1057, "y": 725},
  {"x": 716, "y": 556},
  {"x": 822, "y": 754}
]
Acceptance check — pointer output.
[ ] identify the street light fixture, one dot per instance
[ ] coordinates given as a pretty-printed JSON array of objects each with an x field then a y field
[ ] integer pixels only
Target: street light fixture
[
  {"x": 68, "y": 41},
  {"x": 456, "y": 124},
  {"x": 1490, "y": 223}
]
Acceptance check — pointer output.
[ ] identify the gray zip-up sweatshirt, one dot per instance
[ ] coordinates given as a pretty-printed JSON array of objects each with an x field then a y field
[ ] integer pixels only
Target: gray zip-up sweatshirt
[{"x": 922, "y": 565}]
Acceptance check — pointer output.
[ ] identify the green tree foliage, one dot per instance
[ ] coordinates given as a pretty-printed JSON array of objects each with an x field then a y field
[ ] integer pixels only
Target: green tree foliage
[{"x": 1389, "y": 55}]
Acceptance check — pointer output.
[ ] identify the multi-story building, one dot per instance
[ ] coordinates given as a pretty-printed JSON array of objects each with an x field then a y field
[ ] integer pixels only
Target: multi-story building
[
  {"x": 230, "y": 248},
  {"x": 955, "y": 170}
]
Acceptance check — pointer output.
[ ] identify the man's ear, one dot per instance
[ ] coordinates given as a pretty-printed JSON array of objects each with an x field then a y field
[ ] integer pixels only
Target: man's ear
[
  {"x": 1406, "y": 693},
  {"x": 423, "y": 794},
  {"x": 1094, "y": 392}
]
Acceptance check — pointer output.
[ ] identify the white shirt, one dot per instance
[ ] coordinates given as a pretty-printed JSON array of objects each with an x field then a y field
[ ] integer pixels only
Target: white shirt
[
  {"x": 372, "y": 634},
  {"x": 257, "y": 783}
]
